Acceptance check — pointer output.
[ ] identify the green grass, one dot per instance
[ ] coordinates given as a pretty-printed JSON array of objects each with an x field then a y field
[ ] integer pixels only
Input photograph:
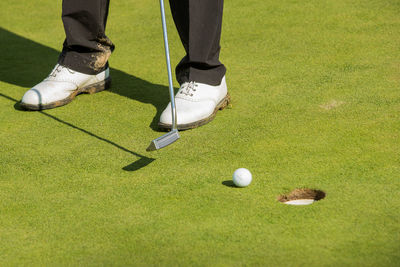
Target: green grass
[{"x": 316, "y": 103}]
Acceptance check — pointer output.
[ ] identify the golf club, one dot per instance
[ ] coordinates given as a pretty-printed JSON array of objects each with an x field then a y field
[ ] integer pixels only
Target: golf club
[{"x": 173, "y": 135}]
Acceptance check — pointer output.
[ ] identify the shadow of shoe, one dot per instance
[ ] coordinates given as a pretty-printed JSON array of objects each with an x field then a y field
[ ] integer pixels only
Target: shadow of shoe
[
  {"x": 26, "y": 63},
  {"x": 135, "y": 88}
]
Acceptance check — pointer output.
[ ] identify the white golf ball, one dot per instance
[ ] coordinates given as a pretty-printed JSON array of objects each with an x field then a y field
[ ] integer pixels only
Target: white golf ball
[{"x": 242, "y": 177}]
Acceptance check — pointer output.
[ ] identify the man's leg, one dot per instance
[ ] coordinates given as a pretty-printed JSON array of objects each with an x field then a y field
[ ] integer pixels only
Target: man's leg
[
  {"x": 82, "y": 65},
  {"x": 199, "y": 26},
  {"x": 200, "y": 73},
  {"x": 86, "y": 48}
]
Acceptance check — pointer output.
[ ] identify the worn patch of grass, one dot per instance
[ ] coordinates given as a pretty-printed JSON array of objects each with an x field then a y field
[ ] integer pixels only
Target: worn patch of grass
[{"x": 316, "y": 104}]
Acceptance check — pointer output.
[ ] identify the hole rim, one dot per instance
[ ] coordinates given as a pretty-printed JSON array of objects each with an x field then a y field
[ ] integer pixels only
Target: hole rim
[{"x": 302, "y": 194}]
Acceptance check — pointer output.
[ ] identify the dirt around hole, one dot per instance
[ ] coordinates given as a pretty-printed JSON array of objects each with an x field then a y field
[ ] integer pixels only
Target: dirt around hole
[{"x": 302, "y": 193}]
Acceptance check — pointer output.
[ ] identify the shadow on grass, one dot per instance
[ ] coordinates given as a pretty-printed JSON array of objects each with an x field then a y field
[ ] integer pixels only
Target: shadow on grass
[
  {"x": 229, "y": 183},
  {"x": 142, "y": 162},
  {"x": 26, "y": 63}
]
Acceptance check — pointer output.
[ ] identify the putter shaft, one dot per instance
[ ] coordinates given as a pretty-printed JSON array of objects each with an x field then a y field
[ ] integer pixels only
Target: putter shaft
[{"x": 173, "y": 135}]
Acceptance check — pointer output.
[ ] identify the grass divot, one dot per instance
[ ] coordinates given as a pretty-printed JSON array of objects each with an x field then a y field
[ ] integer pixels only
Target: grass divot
[{"x": 302, "y": 196}]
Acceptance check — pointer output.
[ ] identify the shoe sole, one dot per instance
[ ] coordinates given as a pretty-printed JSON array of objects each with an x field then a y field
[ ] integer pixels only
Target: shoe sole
[
  {"x": 90, "y": 89},
  {"x": 221, "y": 105}
]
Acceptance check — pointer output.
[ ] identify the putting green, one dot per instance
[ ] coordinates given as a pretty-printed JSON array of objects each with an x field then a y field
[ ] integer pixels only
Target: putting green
[{"x": 316, "y": 104}]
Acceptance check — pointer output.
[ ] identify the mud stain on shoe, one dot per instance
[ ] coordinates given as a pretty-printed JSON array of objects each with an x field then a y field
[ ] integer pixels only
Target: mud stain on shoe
[
  {"x": 331, "y": 105},
  {"x": 100, "y": 58}
]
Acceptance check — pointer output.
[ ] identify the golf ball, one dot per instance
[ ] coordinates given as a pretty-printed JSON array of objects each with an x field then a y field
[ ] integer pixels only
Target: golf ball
[{"x": 242, "y": 177}]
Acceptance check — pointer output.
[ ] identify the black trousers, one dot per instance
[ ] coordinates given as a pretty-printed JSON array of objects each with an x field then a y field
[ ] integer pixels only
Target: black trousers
[{"x": 87, "y": 48}]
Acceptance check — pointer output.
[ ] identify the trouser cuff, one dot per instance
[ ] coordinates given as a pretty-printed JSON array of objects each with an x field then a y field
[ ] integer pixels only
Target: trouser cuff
[
  {"x": 212, "y": 76},
  {"x": 90, "y": 63}
]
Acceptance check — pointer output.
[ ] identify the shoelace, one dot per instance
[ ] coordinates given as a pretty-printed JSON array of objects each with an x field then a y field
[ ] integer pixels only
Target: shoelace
[
  {"x": 189, "y": 88},
  {"x": 59, "y": 69}
]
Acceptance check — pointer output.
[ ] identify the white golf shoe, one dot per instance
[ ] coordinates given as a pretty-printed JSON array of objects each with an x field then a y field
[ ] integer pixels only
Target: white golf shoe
[
  {"x": 61, "y": 87},
  {"x": 196, "y": 105}
]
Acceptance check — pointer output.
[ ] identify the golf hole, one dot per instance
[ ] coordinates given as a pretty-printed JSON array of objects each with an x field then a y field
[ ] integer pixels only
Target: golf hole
[{"x": 302, "y": 196}]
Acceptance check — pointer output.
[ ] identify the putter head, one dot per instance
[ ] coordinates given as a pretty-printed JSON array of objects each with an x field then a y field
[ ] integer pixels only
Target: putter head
[{"x": 164, "y": 140}]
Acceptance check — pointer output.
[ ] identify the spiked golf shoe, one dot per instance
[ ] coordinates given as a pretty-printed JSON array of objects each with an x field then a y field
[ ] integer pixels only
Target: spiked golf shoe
[
  {"x": 61, "y": 87},
  {"x": 196, "y": 105}
]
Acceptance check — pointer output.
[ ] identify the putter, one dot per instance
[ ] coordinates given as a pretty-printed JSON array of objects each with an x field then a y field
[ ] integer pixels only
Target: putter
[{"x": 173, "y": 135}]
